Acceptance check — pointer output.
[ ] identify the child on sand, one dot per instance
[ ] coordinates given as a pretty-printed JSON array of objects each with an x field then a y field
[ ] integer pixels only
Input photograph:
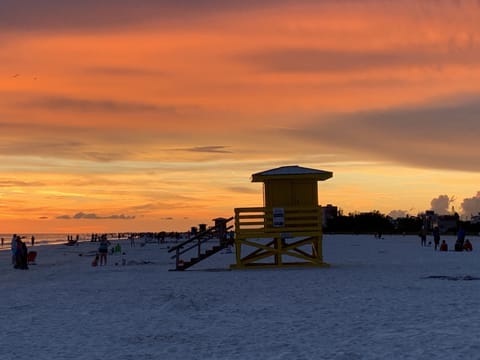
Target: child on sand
[
  {"x": 95, "y": 261},
  {"x": 443, "y": 246},
  {"x": 467, "y": 246}
]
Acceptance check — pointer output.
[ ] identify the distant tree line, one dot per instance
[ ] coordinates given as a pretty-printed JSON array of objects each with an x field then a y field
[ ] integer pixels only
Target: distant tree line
[{"x": 377, "y": 223}]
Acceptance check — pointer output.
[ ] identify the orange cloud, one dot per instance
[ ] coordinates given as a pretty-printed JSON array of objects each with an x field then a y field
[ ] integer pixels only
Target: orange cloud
[{"x": 152, "y": 111}]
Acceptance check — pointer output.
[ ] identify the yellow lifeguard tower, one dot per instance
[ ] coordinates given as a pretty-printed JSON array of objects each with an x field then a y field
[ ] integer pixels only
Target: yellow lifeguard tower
[{"x": 287, "y": 231}]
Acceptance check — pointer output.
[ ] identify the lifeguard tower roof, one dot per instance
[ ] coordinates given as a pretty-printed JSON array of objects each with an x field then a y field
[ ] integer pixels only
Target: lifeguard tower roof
[{"x": 292, "y": 172}]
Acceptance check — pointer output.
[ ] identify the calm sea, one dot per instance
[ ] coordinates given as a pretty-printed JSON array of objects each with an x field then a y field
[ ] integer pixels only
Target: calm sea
[{"x": 48, "y": 239}]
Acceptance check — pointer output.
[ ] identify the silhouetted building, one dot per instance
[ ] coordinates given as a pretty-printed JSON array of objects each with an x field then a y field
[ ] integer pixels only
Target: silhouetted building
[
  {"x": 445, "y": 223},
  {"x": 329, "y": 213},
  {"x": 430, "y": 220},
  {"x": 475, "y": 219}
]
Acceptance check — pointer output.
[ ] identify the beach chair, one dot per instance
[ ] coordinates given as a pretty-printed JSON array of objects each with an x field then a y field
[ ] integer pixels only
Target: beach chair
[{"x": 31, "y": 257}]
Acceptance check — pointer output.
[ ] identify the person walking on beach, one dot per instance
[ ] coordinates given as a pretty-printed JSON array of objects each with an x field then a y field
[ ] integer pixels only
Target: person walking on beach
[
  {"x": 461, "y": 234},
  {"x": 103, "y": 250},
  {"x": 436, "y": 237},
  {"x": 423, "y": 236},
  {"x": 132, "y": 240},
  {"x": 33, "y": 240}
]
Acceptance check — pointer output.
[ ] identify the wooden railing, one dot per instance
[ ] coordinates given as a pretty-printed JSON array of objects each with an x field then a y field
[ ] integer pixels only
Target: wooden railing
[
  {"x": 197, "y": 240},
  {"x": 278, "y": 237},
  {"x": 258, "y": 222}
]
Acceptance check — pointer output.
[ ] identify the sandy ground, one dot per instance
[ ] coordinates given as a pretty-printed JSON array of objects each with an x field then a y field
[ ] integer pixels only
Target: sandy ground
[{"x": 380, "y": 299}]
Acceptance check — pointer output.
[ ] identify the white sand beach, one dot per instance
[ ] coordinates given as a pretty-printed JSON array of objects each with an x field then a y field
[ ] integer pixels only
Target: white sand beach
[{"x": 380, "y": 299}]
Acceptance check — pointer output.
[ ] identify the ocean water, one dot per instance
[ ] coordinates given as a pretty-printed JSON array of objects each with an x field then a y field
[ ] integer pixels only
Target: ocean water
[{"x": 44, "y": 239}]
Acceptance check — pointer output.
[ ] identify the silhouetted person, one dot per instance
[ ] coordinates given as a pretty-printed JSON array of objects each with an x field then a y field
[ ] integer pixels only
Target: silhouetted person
[
  {"x": 423, "y": 236},
  {"x": 103, "y": 250},
  {"x": 444, "y": 246},
  {"x": 21, "y": 253},
  {"x": 467, "y": 246},
  {"x": 436, "y": 236},
  {"x": 460, "y": 239},
  {"x": 14, "y": 248}
]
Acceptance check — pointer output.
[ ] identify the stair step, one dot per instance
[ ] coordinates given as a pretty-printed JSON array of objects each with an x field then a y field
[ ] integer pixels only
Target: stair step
[
  {"x": 194, "y": 260},
  {"x": 183, "y": 267}
]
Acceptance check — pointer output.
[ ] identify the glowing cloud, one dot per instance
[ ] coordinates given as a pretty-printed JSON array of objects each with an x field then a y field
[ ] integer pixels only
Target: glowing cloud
[
  {"x": 471, "y": 206},
  {"x": 92, "y": 216},
  {"x": 441, "y": 204}
]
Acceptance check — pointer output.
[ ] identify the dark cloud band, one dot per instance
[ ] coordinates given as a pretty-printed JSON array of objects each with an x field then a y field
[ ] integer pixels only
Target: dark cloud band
[
  {"x": 434, "y": 136},
  {"x": 92, "y": 216}
]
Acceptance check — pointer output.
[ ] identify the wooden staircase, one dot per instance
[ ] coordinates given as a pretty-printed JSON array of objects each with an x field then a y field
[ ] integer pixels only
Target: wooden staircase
[{"x": 194, "y": 245}]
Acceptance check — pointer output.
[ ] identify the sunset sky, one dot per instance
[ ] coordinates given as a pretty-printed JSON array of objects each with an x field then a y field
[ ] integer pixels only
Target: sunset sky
[{"x": 152, "y": 115}]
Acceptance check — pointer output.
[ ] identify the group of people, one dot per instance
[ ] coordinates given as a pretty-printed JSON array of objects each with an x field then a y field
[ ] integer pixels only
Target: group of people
[
  {"x": 102, "y": 252},
  {"x": 467, "y": 246},
  {"x": 461, "y": 244},
  {"x": 19, "y": 253}
]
